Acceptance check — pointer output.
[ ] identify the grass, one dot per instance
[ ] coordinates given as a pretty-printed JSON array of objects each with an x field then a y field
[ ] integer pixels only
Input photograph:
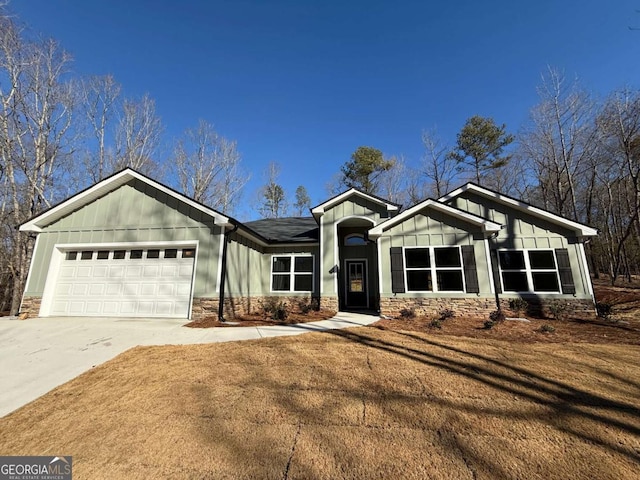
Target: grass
[{"x": 359, "y": 403}]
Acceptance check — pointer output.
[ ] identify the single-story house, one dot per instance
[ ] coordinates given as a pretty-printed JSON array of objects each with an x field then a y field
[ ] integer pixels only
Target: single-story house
[{"x": 130, "y": 246}]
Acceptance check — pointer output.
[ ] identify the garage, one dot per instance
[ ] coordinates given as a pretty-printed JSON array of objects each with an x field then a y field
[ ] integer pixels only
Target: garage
[{"x": 122, "y": 282}]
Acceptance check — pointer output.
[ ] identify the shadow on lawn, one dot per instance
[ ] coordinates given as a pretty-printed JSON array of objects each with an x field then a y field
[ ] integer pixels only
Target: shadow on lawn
[
  {"x": 562, "y": 398},
  {"x": 565, "y": 406}
]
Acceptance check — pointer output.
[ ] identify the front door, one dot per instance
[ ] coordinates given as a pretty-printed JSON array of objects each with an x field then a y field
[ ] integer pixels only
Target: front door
[{"x": 356, "y": 295}]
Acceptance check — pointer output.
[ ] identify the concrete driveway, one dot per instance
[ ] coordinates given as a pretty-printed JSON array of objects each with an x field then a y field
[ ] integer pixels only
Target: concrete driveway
[{"x": 37, "y": 355}]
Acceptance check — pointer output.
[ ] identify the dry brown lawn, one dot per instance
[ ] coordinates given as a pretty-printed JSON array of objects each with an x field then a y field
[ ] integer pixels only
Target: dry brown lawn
[{"x": 360, "y": 403}]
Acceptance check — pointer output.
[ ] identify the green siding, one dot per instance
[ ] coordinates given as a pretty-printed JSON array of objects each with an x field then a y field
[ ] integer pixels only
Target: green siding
[{"x": 135, "y": 212}]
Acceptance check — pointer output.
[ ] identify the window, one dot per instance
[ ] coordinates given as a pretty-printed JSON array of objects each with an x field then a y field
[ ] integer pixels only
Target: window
[
  {"x": 119, "y": 254},
  {"x": 71, "y": 255},
  {"x": 188, "y": 252},
  {"x": 135, "y": 254},
  {"x": 170, "y": 253},
  {"x": 354, "y": 239},
  {"x": 423, "y": 265},
  {"x": 103, "y": 255},
  {"x": 529, "y": 271},
  {"x": 153, "y": 253},
  {"x": 292, "y": 273},
  {"x": 86, "y": 255}
]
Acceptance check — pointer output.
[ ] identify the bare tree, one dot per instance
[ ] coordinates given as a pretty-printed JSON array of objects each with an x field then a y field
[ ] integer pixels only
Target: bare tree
[
  {"x": 436, "y": 167},
  {"x": 99, "y": 96},
  {"x": 274, "y": 202},
  {"x": 559, "y": 141},
  {"x": 208, "y": 167},
  {"x": 36, "y": 107},
  {"x": 303, "y": 202},
  {"x": 137, "y": 135}
]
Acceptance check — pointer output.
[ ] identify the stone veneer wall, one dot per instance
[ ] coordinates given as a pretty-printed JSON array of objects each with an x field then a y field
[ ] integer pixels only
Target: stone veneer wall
[
  {"x": 208, "y": 307},
  {"x": 482, "y": 307},
  {"x": 30, "y": 307}
]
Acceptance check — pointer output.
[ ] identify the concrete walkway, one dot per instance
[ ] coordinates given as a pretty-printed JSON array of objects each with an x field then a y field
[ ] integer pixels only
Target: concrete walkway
[{"x": 37, "y": 355}]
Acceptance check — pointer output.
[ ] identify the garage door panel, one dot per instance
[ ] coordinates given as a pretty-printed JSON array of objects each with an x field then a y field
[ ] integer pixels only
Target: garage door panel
[{"x": 114, "y": 286}]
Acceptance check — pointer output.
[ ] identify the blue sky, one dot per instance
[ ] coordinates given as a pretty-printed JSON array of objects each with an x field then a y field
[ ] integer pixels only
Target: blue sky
[{"x": 304, "y": 83}]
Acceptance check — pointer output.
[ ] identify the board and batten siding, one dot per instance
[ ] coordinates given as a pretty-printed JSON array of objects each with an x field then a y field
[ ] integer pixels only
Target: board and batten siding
[
  {"x": 353, "y": 207},
  {"x": 524, "y": 231},
  {"x": 133, "y": 213},
  {"x": 430, "y": 228}
]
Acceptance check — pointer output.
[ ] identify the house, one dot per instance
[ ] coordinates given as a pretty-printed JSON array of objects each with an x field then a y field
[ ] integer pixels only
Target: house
[{"x": 130, "y": 246}]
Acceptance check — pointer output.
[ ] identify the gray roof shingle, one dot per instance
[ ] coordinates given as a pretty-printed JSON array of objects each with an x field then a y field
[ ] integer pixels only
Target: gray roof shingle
[{"x": 286, "y": 230}]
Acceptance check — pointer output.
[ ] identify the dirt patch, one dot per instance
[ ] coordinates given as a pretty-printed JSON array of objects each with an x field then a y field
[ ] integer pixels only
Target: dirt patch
[
  {"x": 358, "y": 403},
  {"x": 622, "y": 327},
  {"x": 257, "y": 320}
]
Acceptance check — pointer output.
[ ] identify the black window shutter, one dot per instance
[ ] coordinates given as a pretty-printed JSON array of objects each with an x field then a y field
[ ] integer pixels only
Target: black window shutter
[
  {"x": 564, "y": 269},
  {"x": 470, "y": 270},
  {"x": 397, "y": 270},
  {"x": 495, "y": 270}
]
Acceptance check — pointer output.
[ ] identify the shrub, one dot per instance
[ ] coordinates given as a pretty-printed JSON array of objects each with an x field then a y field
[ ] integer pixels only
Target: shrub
[
  {"x": 546, "y": 328},
  {"x": 407, "y": 313},
  {"x": 496, "y": 316},
  {"x": 275, "y": 309},
  {"x": 558, "y": 310},
  {"x": 518, "y": 305},
  {"x": 604, "y": 310},
  {"x": 306, "y": 305},
  {"x": 445, "y": 314},
  {"x": 435, "y": 323},
  {"x": 488, "y": 325}
]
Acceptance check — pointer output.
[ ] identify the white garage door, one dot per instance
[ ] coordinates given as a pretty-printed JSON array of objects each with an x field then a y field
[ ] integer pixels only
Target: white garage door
[{"x": 146, "y": 282}]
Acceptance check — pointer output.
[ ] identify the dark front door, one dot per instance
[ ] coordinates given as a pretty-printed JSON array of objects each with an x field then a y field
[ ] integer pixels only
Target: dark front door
[{"x": 356, "y": 288}]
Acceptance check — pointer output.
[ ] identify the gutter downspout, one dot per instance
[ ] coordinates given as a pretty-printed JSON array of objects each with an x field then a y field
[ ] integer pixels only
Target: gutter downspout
[{"x": 223, "y": 272}]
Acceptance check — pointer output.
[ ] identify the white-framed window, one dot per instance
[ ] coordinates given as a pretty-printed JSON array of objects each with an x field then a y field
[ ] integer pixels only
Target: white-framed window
[
  {"x": 529, "y": 271},
  {"x": 292, "y": 273},
  {"x": 424, "y": 264}
]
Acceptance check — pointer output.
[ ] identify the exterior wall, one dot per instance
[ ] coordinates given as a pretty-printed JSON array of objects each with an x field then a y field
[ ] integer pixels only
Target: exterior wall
[
  {"x": 522, "y": 230},
  {"x": 353, "y": 208},
  {"x": 431, "y": 228},
  {"x": 132, "y": 213}
]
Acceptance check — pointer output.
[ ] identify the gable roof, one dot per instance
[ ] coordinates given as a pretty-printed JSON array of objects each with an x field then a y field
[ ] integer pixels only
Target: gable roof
[
  {"x": 580, "y": 228},
  {"x": 319, "y": 210},
  {"x": 109, "y": 184},
  {"x": 486, "y": 225},
  {"x": 286, "y": 230}
]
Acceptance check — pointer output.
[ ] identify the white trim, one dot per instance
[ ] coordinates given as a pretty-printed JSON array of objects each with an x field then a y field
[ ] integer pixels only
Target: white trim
[
  {"x": 487, "y": 225},
  {"x": 223, "y": 238},
  {"x": 59, "y": 250},
  {"x": 586, "y": 274},
  {"x": 33, "y": 255},
  {"x": 102, "y": 188},
  {"x": 579, "y": 228},
  {"x": 323, "y": 207},
  {"x": 529, "y": 271},
  {"x": 433, "y": 269},
  {"x": 379, "y": 247},
  {"x": 365, "y": 276},
  {"x": 336, "y": 244},
  {"x": 487, "y": 252},
  {"x": 292, "y": 272},
  {"x": 321, "y": 259}
]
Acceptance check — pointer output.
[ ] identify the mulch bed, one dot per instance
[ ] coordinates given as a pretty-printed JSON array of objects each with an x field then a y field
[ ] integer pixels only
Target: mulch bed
[{"x": 258, "y": 320}]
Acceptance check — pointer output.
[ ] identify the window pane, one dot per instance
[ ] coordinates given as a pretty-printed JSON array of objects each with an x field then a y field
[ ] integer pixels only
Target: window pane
[
  {"x": 447, "y": 257},
  {"x": 188, "y": 252},
  {"x": 449, "y": 281},
  {"x": 417, "y": 257},
  {"x": 153, "y": 253},
  {"x": 511, "y": 260},
  {"x": 103, "y": 255},
  {"x": 72, "y": 255},
  {"x": 418, "y": 280},
  {"x": 303, "y": 283},
  {"x": 86, "y": 255},
  {"x": 515, "y": 282},
  {"x": 304, "y": 264},
  {"x": 119, "y": 254},
  {"x": 542, "y": 259},
  {"x": 281, "y": 264},
  {"x": 545, "y": 282},
  {"x": 281, "y": 282},
  {"x": 355, "y": 240},
  {"x": 170, "y": 253},
  {"x": 135, "y": 254}
]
